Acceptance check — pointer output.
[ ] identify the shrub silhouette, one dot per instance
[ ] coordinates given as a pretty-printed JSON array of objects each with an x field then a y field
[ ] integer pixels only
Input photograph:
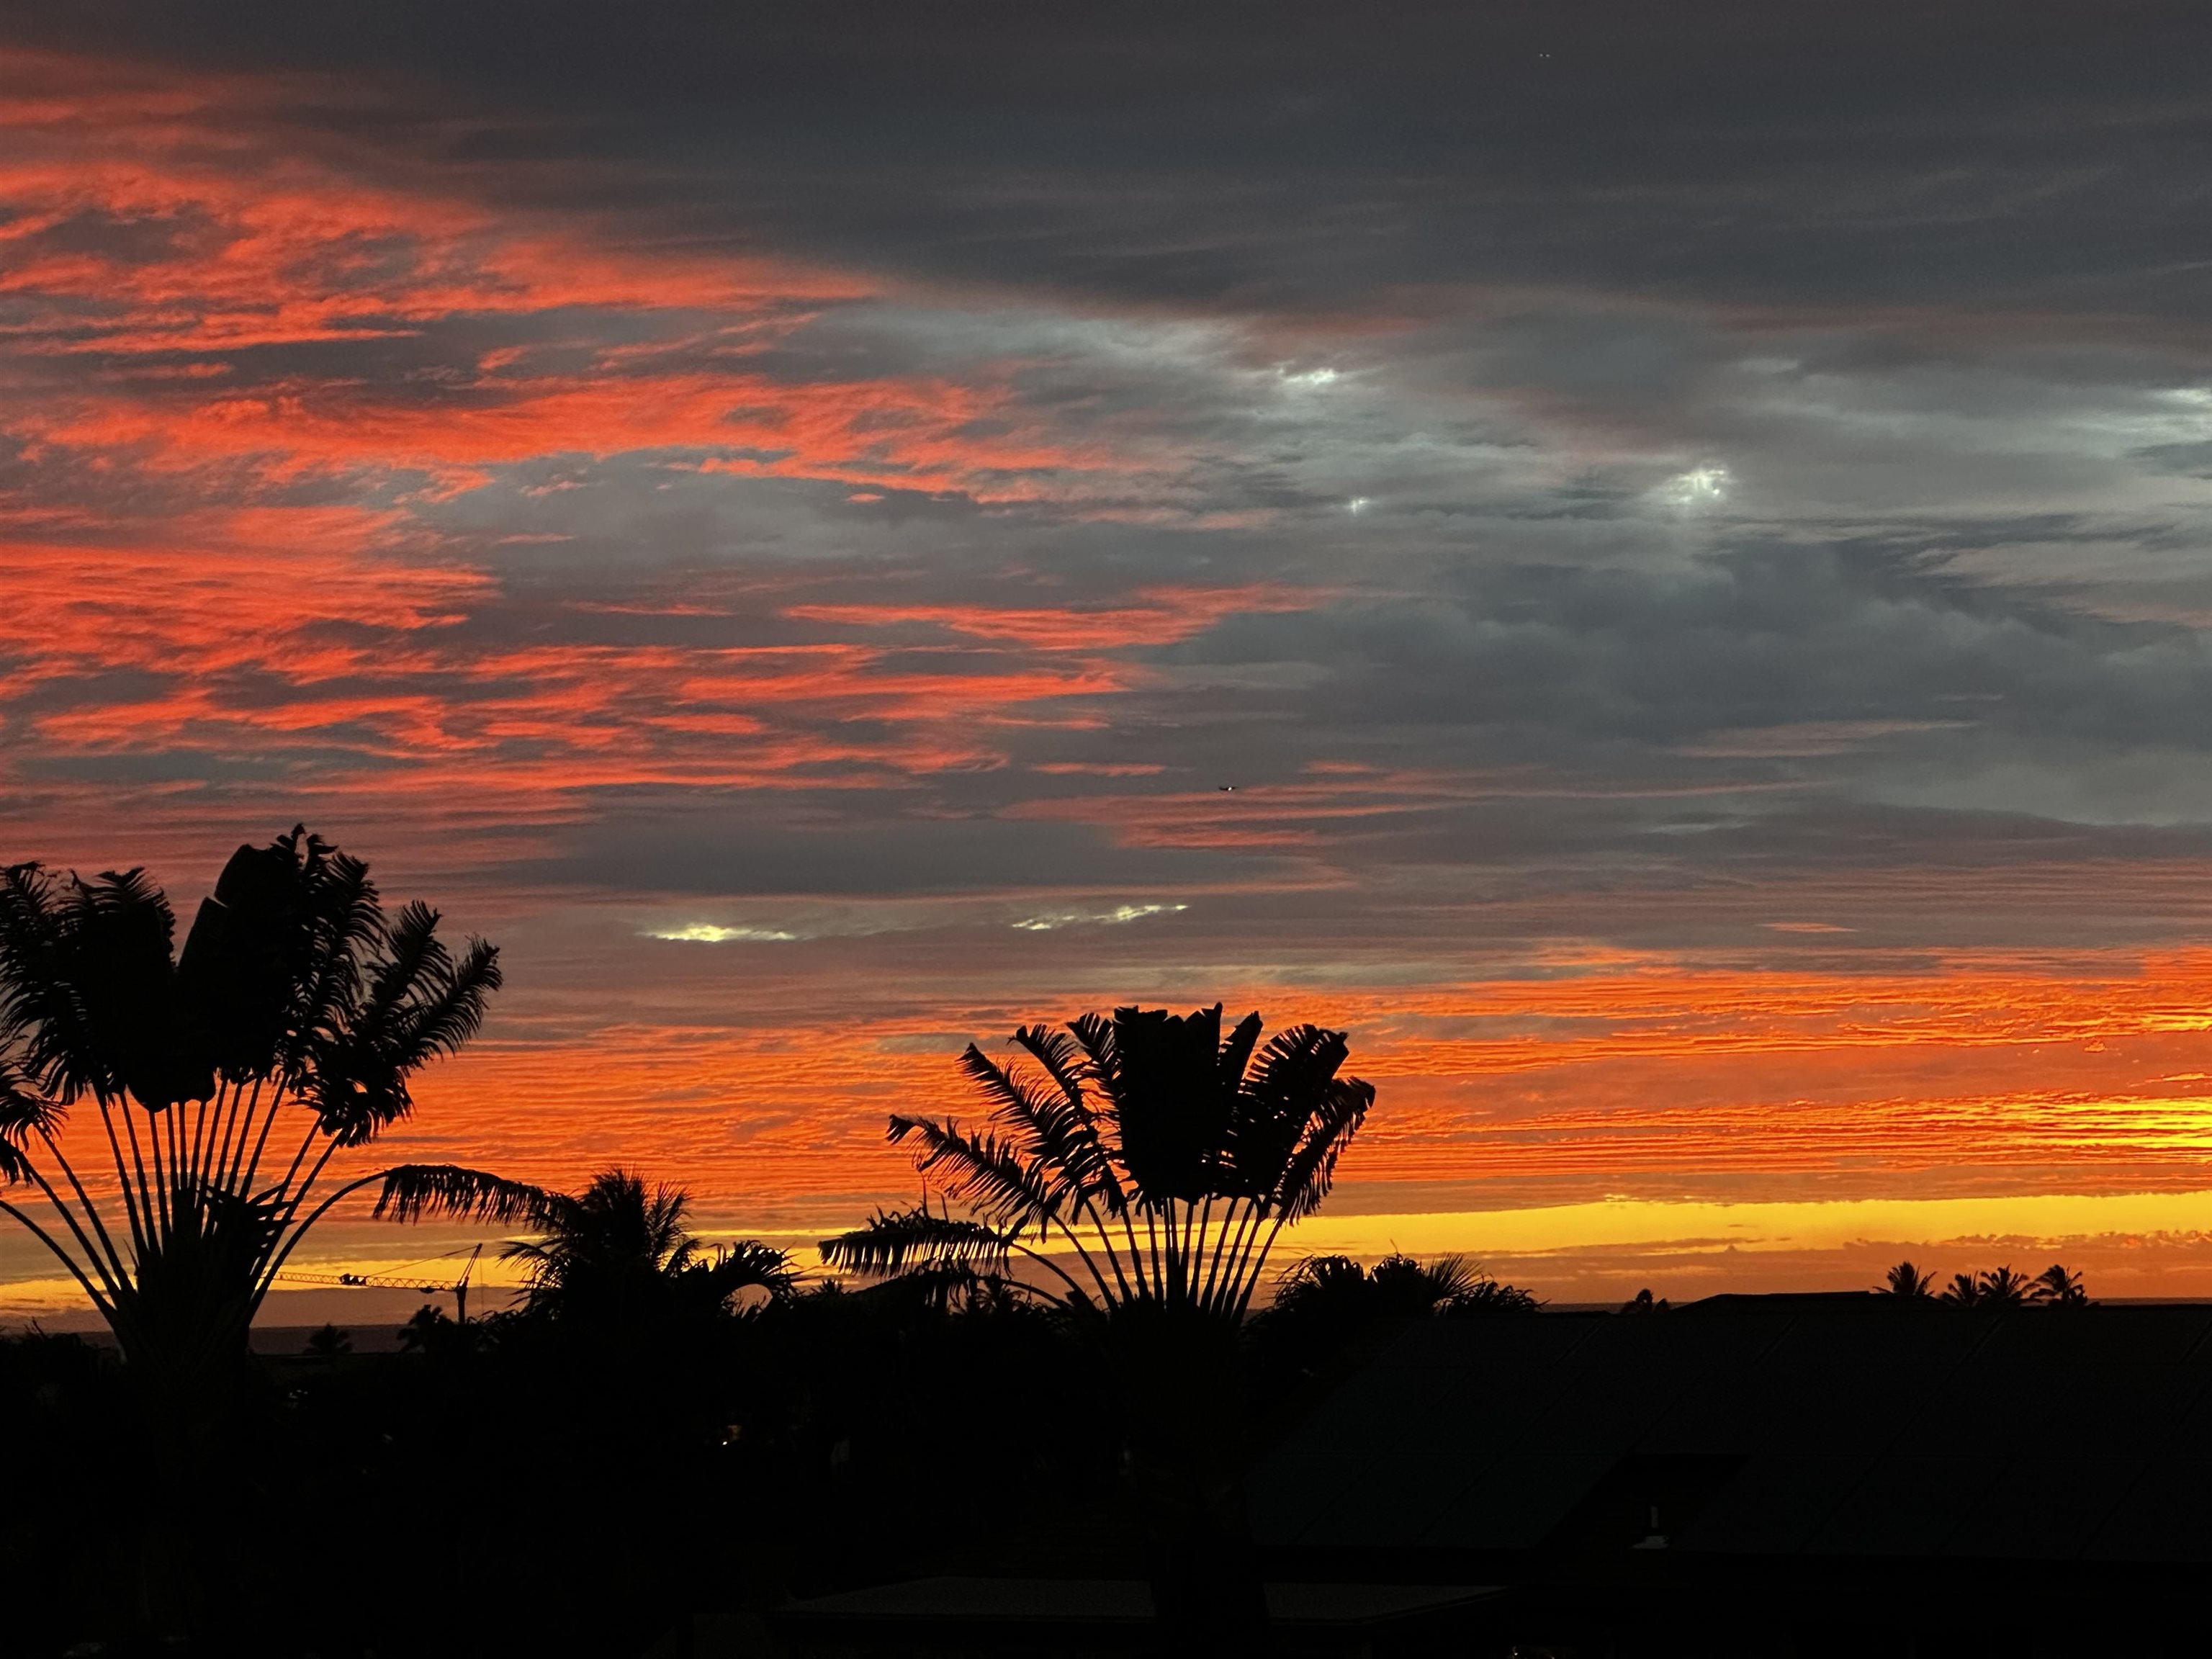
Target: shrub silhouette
[{"x": 1397, "y": 1286}]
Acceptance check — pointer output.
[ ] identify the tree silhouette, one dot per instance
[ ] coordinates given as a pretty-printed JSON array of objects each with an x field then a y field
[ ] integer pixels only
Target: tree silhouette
[
  {"x": 1325, "y": 1304},
  {"x": 1999, "y": 1289},
  {"x": 295, "y": 1000},
  {"x": 1164, "y": 1159},
  {"x": 2056, "y": 1288},
  {"x": 1336, "y": 1287},
  {"x": 620, "y": 1251},
  {"x": 1906, "y": 1280}
]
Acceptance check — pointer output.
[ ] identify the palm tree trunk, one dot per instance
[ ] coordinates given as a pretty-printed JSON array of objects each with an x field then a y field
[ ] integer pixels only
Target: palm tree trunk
[{"x": 1181, "y": 1393}]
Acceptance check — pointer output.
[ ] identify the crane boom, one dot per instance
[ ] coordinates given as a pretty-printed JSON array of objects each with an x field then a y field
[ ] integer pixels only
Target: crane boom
[{"x": 459, "y": 1288}]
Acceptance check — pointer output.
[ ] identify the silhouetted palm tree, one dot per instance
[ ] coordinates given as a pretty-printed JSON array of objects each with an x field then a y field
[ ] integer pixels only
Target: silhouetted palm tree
[
  {"x": 620, "y": 1250},
  {"x": 1905, "y": 1280},
  {"x": 1997, "y": 1289},
  {"x": 2057, "y": 1287},
  {"x": 295, "y": 1000},
  {"x": 1165, "y": 1160}
]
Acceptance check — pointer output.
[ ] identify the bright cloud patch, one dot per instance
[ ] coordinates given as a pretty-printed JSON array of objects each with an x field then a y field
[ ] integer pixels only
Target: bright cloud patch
[
  {"x": 1119, "y": 913},
  {"x": 708, "y": 932},
  {"x": 1701, "y": 486}
]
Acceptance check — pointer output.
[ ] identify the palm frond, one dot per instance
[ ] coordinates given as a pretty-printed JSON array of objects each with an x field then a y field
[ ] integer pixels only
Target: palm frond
[
  {"x": 1056, "y": 1133},
  {"x": 413, "y": 959},
  {"x": 412, "y": 1191},
  {"x": 238, "y": 969},
  {"x": 23, "y": 1109},
  {"x": 1236, "y": 1051},
  {"x": 1271, "y": 1110},
  {"x": 1906, "y": 1280},
  {"x": 1964, "y": 1292},
  {"x": 23, "y": 1112},
  {"x": 983, "y": 1172},
  {"x": 88, "y": 985},
  {"x": 1319, "y": 1283},
  {"x": 340, "y": 921},
  {"x": 1169, "y": 1105},
  {"x": 1308, "y": 1175},
  {"x": 894, "y": 1240},
  {"x": 1101, "y": 1056},
  {"x": 1428, "y": 1283},
  {"x": 747, "y": 1265},
  {"x": 453, "y": 1012},
  {"x": 1490, "y": 1296},
  {"x": 1060, "y": 1054},
  {"x": 357, "y": 1089},
  {"x": 2057, "y": 1286}
]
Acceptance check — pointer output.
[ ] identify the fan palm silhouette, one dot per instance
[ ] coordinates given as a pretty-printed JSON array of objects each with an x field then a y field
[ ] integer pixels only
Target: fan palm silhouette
[
  {"x": 296, "y": 1000},
  {"x": 1165, "y": 1158}
]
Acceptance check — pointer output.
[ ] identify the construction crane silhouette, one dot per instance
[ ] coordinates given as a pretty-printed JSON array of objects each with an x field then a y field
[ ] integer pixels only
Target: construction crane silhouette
[{"x": 402, "y": 1280}]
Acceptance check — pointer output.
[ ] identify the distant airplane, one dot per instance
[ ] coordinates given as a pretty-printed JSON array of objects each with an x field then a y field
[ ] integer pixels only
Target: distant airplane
[{"x": 1228, "y": 788}]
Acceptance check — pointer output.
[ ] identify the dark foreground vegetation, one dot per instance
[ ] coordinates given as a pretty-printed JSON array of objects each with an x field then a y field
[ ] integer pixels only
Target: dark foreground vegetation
[
  {"x": 1067, "y": 1360},
  {"x": 1058, "y": 1336},
  {"x": 644, "y": 1441}
]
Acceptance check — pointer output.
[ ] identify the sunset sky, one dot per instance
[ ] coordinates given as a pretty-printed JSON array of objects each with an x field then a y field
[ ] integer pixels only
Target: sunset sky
[{"x": 1651, "y": 562}]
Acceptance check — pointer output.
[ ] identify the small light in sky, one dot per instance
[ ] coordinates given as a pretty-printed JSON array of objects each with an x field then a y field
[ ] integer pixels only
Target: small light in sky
[
  {"x": 1120, "y": 913},
  {"x": 1311, "y": 377},
  {"x": 1700, "y": 486},
  {"x": 707, "y": 933},
  {"x": 1357, "y": 504}
]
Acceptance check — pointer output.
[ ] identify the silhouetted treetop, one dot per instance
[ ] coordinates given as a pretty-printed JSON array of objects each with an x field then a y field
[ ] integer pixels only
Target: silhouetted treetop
[
  {"x": 297, "y": 999},
  {"x": 1162, "y": 1156}
]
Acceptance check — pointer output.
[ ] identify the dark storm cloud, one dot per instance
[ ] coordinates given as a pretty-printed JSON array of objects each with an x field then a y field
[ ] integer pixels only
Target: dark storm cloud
[{"x": 1312, "y": 155}]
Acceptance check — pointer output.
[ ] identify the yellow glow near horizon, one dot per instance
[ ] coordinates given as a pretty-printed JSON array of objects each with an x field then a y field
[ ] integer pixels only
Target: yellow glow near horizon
[
  {"x": 1817, "y": 1224},
  {"x": 1627, "y": 1226}
]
